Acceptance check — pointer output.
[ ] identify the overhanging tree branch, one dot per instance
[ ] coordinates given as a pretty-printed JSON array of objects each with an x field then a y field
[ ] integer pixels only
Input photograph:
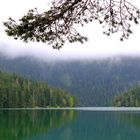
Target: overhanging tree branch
[{"x": 56, "y": 25}]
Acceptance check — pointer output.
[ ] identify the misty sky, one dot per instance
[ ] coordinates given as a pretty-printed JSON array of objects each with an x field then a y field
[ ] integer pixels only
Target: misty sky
[{"x": 98, "y": 45}]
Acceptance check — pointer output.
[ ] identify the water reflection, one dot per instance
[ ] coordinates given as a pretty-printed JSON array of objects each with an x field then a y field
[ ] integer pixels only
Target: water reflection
[
  {"x": 17, "y": 125},
  {"x": 92, "y": 125},
  {"x": 130, "y": 118},
  {"x": 69, "y": 125}
]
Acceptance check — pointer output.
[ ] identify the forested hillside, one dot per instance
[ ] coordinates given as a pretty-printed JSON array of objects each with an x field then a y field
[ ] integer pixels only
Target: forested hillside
[
  {"x": 131, "y": 98},
  {"x": 94, "y": 82},
  {"x": 19, "y": 92}
]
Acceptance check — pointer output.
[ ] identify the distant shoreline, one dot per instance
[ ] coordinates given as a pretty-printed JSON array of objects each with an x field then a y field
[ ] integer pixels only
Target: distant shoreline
[{"x": 81, "y": 108}]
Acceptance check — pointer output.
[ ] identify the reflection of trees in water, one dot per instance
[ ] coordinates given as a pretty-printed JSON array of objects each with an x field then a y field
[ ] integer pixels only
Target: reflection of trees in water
[
  {"x": 130, "y": 118},
  {"x": 15, "y": 125}
]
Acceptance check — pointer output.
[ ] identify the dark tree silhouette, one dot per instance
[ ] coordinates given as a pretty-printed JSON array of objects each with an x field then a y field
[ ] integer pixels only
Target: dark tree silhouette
[{"x": 56, "y": 25}]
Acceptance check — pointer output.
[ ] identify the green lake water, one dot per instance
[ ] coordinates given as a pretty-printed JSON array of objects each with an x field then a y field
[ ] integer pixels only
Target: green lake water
[{"x": 69, "y": 125}]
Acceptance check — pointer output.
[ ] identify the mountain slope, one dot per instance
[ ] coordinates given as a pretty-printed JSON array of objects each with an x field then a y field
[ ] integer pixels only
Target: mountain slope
[
  {"x": 19, "y": 92},
  {"x": 131, "y": 98},
  {"x": 94, "y": 82}
]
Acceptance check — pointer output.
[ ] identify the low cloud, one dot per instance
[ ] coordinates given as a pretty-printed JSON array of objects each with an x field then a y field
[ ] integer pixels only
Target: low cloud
[
  {"x": 99, "y": 46},
  {"x": 40, "y": 51}
]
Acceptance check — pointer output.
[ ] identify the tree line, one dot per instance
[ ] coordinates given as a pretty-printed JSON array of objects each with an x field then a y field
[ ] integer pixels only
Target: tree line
[
  {"x": 131, "y": 98},
  {"x": 18, "y": 92}
]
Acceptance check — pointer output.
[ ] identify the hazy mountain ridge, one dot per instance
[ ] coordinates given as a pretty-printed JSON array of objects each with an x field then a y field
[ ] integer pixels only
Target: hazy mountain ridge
[{"x": 95, "y": 82}]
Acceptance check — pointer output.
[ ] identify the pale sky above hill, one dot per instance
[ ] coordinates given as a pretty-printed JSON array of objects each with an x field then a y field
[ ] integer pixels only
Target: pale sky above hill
[{"x": 98, "y": 45}]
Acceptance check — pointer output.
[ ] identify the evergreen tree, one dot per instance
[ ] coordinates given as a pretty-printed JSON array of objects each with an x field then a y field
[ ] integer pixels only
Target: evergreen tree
[
  {"x": 19, "y": 92},
  {"x": 130, "y": 98}
]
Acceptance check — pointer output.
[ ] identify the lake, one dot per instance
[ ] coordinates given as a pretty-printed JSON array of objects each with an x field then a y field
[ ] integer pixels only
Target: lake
[{"x": 84, "y": 124}]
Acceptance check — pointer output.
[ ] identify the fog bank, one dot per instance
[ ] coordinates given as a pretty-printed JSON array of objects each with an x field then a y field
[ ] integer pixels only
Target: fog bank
[{"x": 46, "y": 53}]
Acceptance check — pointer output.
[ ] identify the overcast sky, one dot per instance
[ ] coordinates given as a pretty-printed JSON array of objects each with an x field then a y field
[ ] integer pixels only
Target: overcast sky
[{"x": 98, "y": 46}]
